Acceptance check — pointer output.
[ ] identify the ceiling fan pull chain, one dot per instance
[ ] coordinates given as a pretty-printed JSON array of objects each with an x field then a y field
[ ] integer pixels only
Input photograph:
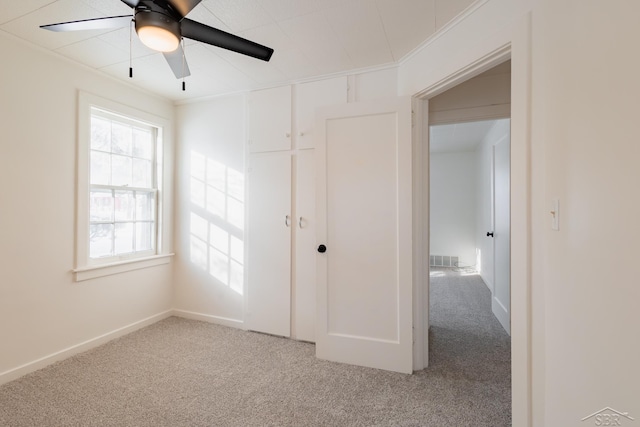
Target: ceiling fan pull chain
[
  {"x": 131, "y": 49},
  {"x": 184, "y": 86}
]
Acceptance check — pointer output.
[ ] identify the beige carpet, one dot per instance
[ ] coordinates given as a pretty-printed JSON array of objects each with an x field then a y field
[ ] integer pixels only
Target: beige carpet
[{"x": 186, "y": 373}]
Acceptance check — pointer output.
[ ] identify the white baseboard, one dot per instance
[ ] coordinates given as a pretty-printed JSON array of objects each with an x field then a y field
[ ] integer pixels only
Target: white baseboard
[
  {"x": 487, "y": 283},
  {"x": 502, "y": 314},
  {"x": 27, "y": 368},
  {"x": 224, "y": 321}
]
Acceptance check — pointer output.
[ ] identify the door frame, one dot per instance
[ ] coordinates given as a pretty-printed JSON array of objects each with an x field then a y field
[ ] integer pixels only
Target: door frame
[
  {"x": 518, "y": 49},
  {"x": 421, "y": 183}
]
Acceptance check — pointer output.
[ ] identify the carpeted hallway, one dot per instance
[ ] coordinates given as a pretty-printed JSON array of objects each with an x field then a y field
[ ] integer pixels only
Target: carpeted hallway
[
  {"x": 180, "y": 372},
  {"x": 467, "y": 344}
]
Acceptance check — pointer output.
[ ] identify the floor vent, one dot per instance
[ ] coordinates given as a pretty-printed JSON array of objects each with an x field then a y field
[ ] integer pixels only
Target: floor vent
[{"x": 443, "y": 261}]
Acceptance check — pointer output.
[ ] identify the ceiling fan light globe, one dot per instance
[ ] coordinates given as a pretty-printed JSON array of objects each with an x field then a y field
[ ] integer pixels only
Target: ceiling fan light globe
[
  {"x": 157, "y": 30},
  {"x": 158, "y": 39}
]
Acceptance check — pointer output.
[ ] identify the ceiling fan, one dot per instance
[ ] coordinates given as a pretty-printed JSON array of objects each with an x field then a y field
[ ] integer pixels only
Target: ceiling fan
[{"x": 161, "y": 25}]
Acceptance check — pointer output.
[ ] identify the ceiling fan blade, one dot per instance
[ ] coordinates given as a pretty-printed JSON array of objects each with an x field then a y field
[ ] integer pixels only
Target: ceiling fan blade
[
  {"x": 91, "y": 24},
  {"x": 131, "y": 3},
  {"x": 183, "y": 6},
  {"x": 177, "y": 63},
  {"x": 203, "y": 33}
]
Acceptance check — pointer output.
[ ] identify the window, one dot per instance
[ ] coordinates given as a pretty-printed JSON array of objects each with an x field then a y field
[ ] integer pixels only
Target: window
[{"x": 121, "y": 205}]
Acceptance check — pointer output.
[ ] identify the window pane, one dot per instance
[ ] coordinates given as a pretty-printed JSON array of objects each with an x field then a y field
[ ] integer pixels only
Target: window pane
[
  {"x": 123, "y": 220},
  {"x": 100, "y": 168},
  {"x": 120, "y": 138},
  {"x": 141, "y": 173},
  {"x": 100, "y": 240},
  {"x": 144, "y": 206},
  {"x": 100, "y": 134},
  {"x": 124, "y": 206},
  {"x": 142, "y": 143},
  {"x": 124, "y": 238},
  {"x": 101, "y": 205},
  {"x": 143, "y": 236},
  {"x": 121, "y": 170}
]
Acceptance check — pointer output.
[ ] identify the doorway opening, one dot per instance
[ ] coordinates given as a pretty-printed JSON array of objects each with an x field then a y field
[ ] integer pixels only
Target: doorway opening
[
  {"x": 468, "y": 289},
  {"x": 469, "y": 222},
  {"x": 469, "y": 200},
  {"x": 462, "y": 123}
]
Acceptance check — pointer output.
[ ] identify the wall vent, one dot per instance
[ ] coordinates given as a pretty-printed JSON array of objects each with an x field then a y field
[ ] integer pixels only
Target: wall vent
[{"x": 443, "y": 261}]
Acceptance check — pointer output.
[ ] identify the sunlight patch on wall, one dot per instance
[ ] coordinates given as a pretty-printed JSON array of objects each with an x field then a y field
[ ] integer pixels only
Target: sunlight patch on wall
[
  {"x": 217, "y": 221},
  {"x": 478, "y": 260}
]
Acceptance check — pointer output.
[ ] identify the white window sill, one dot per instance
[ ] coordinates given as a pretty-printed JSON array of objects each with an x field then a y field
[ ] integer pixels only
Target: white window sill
[{"x": 101, "y": 270}]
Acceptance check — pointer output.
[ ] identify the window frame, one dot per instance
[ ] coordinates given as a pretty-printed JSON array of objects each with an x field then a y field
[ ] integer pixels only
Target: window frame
[
  {"x": 152, "y": 189},
  {"x": 87, "y": 267}
]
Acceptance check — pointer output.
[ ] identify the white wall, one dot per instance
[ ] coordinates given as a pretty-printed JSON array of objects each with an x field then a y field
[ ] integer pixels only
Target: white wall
[
  {"x": 212, "y": 132},
  {"x": 586, "y": 91},
  {"x": 453, "y": 205},
  {"x": 483, "y": 187},
  {"x": 373, "y": 85},
  {"x": 42, "y": 309}
]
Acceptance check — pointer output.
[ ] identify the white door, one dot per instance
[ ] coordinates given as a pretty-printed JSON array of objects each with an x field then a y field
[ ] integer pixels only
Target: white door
[
  {"x": 364, "y": 220},
  {"x": 269, "y": 243},
  {"x": 270, "y": 119},
  {"x": 304, "y": 314},
  {"x": 500, "y": 302},
  {"x": 309, "y": 97}
]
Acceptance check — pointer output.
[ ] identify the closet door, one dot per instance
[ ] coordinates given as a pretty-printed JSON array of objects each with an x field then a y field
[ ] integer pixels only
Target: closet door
[
  {"x": 270, "y": 120},
  {"x": 269, "y": 243},
  {"x": 309, "y": 97},
  {"x": 305, "y": 247}
]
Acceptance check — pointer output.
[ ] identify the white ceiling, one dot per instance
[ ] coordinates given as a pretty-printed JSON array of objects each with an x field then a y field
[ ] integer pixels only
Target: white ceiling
[
  {"x": 310, "y": 38},
  {"x": 458, "y": 137}
]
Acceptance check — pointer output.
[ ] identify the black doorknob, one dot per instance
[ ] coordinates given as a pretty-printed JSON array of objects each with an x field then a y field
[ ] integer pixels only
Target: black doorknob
[
  {"x": 322, "y": 249},
  {"x": 489, "y": 233}
]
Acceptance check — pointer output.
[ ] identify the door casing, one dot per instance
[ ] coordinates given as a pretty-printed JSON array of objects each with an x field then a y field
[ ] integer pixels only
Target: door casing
[{"x": 518, "y": 49}]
